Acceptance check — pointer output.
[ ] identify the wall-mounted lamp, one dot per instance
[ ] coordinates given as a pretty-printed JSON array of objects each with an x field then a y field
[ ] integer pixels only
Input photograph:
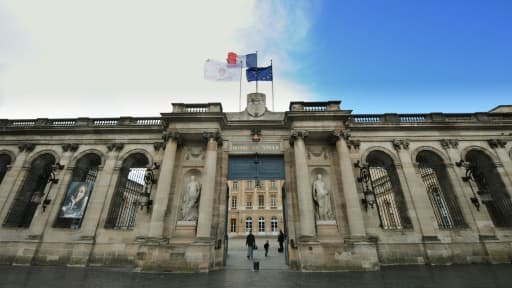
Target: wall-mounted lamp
[
  {"x": 367, "y": 196},
  {"x": 149, "y": 180},
  {"x": 472, "y": 175},
  {"x": 52, "y": 179}
]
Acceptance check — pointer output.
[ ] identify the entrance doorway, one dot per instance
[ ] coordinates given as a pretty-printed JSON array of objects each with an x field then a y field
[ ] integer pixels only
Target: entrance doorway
[{"x": 255, "y": 204}]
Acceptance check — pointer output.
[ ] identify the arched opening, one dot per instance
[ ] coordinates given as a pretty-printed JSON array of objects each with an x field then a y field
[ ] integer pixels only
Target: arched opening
[
  {"x": 5, "y": 161},
  {"x": 440, "y": 191},
  {"x": 79, "y": 190},
  {"x": 31, "y": 193},
  {"x": 491, "y": 189},
  {"x": 129, "y": 192},
  {"x": 389, "y": 197}
]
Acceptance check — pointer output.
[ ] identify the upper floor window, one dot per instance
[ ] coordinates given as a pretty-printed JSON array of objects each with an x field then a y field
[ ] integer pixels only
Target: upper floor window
[
  {"x": 261, "y": 201},
  {"x": 233, "y": 202}
]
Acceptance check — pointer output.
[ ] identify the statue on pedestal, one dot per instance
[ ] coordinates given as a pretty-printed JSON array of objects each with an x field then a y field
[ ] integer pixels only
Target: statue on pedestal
[
  {"x": 322, "y": 199},
  {"x": 190, "y": 207}
]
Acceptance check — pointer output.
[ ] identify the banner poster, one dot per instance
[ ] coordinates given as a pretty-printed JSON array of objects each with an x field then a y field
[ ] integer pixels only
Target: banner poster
[{"x": 76, "y": 200}]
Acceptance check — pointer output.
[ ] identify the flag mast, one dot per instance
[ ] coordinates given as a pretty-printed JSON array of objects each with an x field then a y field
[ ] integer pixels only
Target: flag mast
[
  {"x": 240, "y": 96},
  {"x": 256, "y": 70},
  {"x": 272, "y": 69}
]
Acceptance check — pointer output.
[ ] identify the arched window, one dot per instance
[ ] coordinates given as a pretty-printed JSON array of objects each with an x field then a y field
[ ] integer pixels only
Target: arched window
[
  {"x": 79, "y": 191},
  {"x": 5, "y": 160},
  {"x": 388, "y": 192},
  {"x": 248, "y": 224},
  {"x": 261, "y": 224},
  {"x": 273, "y": 223},
  {"x": 440, "y": 191},
  {"x": 128, "y": 193},
  {"x": 31, "y": 193},
  {"x": 491, "y": 188}
]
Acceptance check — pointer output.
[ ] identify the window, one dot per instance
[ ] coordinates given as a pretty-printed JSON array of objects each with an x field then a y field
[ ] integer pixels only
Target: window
[
  {"x": 5, "y": 160},
  {"x": 235, "y": 185},
  {"x": 233, "y": 202},
  {"x": 233, "y": 225},
  {"x": 250, "y": 184},
  {"x": 273, "y": 223},
  {"x": 248, "y": 224},
  {"x": 261, "y": 224},
  {"x": 128, "y": 193},
  {"x": 248, "y": 204},
  {"x": 273, "y": 201},
  {"x": 259, "y": 184},
  {"x": 261, "y": 201},
  {"x": 76, "y": 199},
  {"x": 440, "y": 192},
  {"x": 31, "y": 193},
  {"x": 388, "y": 193},
  {"x": 273, "y": 184}
]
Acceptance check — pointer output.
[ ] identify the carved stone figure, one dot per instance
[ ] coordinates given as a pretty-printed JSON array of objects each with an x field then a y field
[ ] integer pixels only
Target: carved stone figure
[
  {"x": 322, "y": 199},
  {"x": 189, "y": 210}
]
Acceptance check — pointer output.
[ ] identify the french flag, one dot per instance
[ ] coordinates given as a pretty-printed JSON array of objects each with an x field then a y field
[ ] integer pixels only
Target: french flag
[{"x": 249, "y": 60}]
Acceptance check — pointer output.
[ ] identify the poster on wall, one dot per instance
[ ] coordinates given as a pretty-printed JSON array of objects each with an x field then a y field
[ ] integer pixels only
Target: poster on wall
[{"x": 76, "y": 200}]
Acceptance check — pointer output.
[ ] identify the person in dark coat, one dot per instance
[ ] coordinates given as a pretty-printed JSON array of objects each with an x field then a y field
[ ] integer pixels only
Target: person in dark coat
[
  {"x": 250, "y": 242},
  {"x": 266, "y": 246},
  {"x": 280, "y": 239}
]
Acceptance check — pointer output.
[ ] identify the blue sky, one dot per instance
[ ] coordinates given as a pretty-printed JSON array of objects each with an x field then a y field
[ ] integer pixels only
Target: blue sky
[{"x": 120, "y": 57}]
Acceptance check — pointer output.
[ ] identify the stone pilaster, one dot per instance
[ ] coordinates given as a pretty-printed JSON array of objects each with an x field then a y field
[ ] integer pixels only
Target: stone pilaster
[
  {"x": 306, "y": 208},
  {"x": 161, "y": 198},
  {"x": 505, "y": 171},
  {"x": 204, "y": 219},
  {"x": 419, "y": 196},
  {"x": 354, "y": 213}
]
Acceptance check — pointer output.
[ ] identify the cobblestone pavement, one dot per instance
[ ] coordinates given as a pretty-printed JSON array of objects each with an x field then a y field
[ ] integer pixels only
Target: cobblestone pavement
[{"x": 467, "y": 276}]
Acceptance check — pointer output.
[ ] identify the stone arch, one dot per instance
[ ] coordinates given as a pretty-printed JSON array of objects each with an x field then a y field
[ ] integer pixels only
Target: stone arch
[
  {"x": 438, "y": 152},
  {"x": 385, "y": 150},
  {"x": 52, "y": 152},
  {"x": 11, "y": 154},
  {"x": 129, "y": 153},
  {"x": 85, "y": 152},
  {"x": 486, "y": 151}
]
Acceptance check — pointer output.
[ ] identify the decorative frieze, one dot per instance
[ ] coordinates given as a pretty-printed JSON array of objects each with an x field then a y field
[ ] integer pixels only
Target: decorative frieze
[
  {"x": 400, "y": 144},
  {"x": 449, "y": 143},
  {"x": 497, "y": 143}
]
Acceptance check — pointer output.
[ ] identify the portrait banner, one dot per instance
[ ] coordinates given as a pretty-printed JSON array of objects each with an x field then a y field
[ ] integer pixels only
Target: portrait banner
[{"x": 76, "y": 199}]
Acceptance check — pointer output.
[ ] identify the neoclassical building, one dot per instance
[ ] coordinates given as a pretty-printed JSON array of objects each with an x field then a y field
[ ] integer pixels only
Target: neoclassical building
[{"x": 354, "y": 191}]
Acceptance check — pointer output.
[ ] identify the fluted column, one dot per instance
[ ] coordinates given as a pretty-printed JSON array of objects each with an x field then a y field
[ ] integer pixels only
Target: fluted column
[
  {"x": 204, "y": 219},
  {"x": 161, "y": 198},
  {"x": 354, "y": 213},
  {"x": 306, "y": 208},
  {"x": 420, "y": 200}
]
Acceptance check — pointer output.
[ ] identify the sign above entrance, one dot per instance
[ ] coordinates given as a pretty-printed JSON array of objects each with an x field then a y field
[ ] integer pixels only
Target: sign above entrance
[
  {"x": 256, "y": 147},
  {"x": 267, "y": 167}
]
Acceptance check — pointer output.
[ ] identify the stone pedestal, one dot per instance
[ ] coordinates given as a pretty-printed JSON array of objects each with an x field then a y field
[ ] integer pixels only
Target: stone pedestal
[
  {"x": 327, "y": 230},
  {"x": 185, "y": 230}
]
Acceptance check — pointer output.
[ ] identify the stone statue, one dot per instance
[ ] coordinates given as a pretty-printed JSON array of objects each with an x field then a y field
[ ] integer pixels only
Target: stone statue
[
  {"x": 189, "y": 210},
  {"x": 322, "y": 199}
]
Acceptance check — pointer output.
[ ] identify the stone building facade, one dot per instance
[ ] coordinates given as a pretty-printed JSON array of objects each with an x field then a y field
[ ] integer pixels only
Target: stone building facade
[{"x": 358, "y": 191}]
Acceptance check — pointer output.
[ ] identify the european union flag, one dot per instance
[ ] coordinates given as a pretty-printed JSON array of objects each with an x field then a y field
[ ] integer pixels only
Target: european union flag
[{"x": 259, "y": 74}]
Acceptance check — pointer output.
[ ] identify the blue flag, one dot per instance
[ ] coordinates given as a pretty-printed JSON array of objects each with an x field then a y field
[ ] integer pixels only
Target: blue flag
[
  {"x": 251, "y": 60},
  {"x": 259, "y": 74}
]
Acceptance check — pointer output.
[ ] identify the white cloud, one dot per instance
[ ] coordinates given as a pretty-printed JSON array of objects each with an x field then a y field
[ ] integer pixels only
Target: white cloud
[{"x": 120, "y": 58}]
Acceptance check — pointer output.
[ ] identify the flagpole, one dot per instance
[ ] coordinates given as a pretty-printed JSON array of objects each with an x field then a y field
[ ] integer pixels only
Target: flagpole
[
  {"x": 272, "y": 69},
  {"x": 256, "y": 70},
  {"x": 240, "y": 97}
]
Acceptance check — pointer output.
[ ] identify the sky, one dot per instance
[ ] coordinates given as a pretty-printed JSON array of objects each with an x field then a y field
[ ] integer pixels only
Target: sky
[{"x": 112, "y": 58}]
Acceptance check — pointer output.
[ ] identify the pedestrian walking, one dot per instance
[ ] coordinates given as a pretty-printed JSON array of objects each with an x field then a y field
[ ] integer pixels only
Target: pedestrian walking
[
  {"x": 250, "y": 242},
  {"x": 266, "y": 246},
  {"x": 280, "y": 239}
]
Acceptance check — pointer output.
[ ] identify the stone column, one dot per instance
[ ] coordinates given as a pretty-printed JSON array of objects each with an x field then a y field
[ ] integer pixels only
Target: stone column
[
  {"x": 8, "y": 185},
  {"x": 482, "y": 222},
  {"x": 306, "y": 207},
  {"x": 204, "y": 219},
  {"x": 354, "y": 213},
  {"x": 505, "y": 170},
  {"x": 161, "y": 198},
  {"x": 419, "y": 196}
]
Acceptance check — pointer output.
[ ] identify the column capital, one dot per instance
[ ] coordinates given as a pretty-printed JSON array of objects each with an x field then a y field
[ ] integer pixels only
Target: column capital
[
  {"x": 497, "y": 143},
  {"x": 29, "y": 147},
  {"x": 216, "y": 136},
  {"x": 72, "y": 147},
  {"x": 449, "y": 143},
  {"x": 295, "y": 134},
  {"x": 171, "y": 135},
  {"x": 115, "y": 146},
  {"x": 400, "y": 144}
]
